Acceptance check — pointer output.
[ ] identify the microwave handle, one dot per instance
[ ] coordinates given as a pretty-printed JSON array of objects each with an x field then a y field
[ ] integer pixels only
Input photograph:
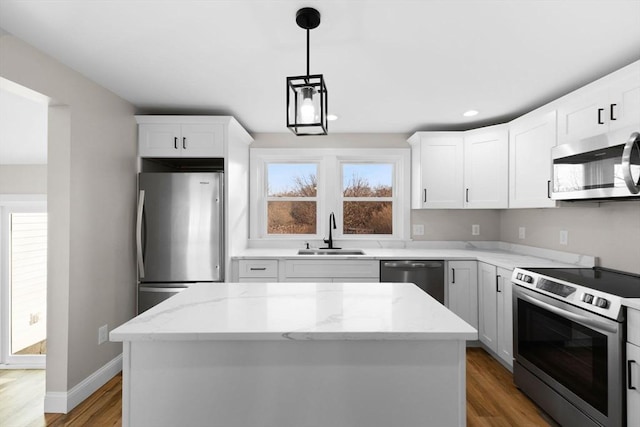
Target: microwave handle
[{"x": 633, "y": 186}]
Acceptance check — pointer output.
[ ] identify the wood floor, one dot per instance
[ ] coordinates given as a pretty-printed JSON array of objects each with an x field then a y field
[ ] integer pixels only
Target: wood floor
[{"x": 492, "y": 399}]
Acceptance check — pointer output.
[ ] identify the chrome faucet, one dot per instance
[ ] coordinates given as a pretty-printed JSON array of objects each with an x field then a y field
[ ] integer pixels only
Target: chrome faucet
[{"x": 332, "y": 225}]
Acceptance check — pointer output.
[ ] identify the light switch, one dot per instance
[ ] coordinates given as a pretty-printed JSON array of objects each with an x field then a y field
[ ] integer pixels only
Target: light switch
[
  {"x": 475, "y": 229},
  {"x": 521, "y": 232}
]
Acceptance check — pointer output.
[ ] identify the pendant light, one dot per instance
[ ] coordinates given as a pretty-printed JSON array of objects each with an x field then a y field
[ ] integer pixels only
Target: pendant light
[{"x": 307, "y": 95}]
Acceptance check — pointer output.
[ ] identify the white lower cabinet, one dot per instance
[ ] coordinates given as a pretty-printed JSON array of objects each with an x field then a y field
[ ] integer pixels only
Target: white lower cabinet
[
  {"x": 258, "y": 270},
  {"x": 314, "y": 270},
  {"x": 633, "y": 367},
  {"x": 505, "y": 315},
  {"x": 462, "y": 290},
  {"x": 495, "y": 327}
]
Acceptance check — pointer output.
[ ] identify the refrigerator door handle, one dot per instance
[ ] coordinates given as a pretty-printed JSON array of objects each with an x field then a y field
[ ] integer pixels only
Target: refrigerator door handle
[{"x": 139, "y": 234}]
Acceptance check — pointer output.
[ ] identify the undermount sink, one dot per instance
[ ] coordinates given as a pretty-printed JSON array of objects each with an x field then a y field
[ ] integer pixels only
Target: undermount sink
[{"x": 330, "y": 252}]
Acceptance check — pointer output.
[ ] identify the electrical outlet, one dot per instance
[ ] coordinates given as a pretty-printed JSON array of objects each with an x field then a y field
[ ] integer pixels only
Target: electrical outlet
[
  {"x": 521, "y": 232},
  {"x": 102, "y": 334},
  {"x": 418, "y": 229},
  {"x": 475, "y": 229},
  {"x": 564, "y": 237}
]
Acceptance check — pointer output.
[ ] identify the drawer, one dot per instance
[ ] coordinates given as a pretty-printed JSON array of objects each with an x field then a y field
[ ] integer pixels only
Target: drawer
[
  {"x": 333, "y": 268},
  {"x": 633, "y": 326},
  {"x": 258, "y": 268}
]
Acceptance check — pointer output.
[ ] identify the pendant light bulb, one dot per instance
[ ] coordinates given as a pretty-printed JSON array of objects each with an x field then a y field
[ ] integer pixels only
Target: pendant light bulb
[{"x": 307, "y": 109}]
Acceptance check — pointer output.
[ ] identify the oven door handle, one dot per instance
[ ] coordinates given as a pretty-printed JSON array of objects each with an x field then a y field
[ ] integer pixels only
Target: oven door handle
[{"x": 596, "y": 324}]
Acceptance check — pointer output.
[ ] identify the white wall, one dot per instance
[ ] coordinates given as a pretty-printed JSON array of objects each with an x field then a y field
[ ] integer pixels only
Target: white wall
[
  {"x": 23, "y": 179},
  {"x": 91, "y": 199}
]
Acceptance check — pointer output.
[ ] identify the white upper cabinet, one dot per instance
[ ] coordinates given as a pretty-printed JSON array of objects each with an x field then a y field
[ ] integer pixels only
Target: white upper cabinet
[
  {"x": 486, "y": 166},
  {"x": 180, "y": 136},
  {"x": 531, "y": 138},
  {"x": 607, "y": 104},
  {"x": 437, "y": 174}
]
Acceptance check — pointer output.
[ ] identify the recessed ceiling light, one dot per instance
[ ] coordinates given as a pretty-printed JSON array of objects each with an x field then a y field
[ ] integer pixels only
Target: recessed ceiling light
[
  {"x": 470, "y": 113},
  {"x": 332, "y": 117}
]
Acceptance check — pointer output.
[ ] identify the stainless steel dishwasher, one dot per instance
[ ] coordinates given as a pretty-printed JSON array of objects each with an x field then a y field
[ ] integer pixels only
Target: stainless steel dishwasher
[{"x": 428, "y": 275}]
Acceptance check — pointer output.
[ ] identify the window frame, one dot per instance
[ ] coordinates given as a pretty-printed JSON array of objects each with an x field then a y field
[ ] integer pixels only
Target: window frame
[
  {"x": 342, "y": 160},
  {"x": 330, "y": 193},
  {"x": 268, "y": 198}
]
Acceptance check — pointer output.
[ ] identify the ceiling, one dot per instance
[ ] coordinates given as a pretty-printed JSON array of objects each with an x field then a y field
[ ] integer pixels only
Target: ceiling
[{"x": 390, "y": 65}]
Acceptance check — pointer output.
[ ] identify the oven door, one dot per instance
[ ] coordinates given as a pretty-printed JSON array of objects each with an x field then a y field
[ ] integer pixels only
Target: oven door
[{"x": 573, "y": 352}]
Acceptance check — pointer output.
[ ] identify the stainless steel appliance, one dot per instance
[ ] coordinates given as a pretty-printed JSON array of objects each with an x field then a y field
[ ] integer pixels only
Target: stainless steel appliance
[
  {"x": 568, "y": 342},
  {"x": 428, "y": 275},
  {"x": 179, "y": 233},
  {"x": 606, "y": 166}
]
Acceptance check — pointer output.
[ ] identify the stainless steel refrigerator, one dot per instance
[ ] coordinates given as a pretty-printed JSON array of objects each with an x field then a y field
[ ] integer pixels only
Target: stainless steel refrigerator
[{"x": 179, "y": 233}]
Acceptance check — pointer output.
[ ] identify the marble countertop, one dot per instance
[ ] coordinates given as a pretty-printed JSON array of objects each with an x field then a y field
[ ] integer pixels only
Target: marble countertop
[
  {"x": 631, "y": 302},
  {"x": 297, "y": 311},
  {"x": 499, "y": 257}
]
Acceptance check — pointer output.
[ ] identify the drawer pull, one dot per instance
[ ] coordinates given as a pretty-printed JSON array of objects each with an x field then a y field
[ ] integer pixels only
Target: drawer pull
[
  {"x": 257, "y": 268},
  {"x": 629, "y": 385}
]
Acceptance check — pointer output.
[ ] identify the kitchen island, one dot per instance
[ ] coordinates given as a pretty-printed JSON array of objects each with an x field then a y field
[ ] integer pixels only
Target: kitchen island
[{"x": 295, "y": 354}]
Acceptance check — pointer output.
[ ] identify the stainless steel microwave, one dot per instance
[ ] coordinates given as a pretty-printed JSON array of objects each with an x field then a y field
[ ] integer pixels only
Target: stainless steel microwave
[{"x": 605, "y": 166}]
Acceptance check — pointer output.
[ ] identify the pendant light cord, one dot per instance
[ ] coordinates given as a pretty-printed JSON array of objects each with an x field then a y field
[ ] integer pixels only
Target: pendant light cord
[{"x": 307, "y": 54}]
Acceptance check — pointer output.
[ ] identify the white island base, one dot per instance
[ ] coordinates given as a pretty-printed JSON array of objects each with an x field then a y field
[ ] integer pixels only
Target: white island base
[{"x": 407, "y": 371}]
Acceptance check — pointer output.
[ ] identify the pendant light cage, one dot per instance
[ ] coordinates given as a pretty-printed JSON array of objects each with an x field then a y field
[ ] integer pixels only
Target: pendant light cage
[
  {"x": 307, "y": 96},
  {"x": 299, "y": 89}
]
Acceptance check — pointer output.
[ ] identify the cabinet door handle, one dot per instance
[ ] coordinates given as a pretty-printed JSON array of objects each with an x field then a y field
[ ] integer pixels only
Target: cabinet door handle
[
  {"x": 175, "y": 142},
  {"x": 611, "y": 116},
  {"x": 424, "y": 197},
  {"x": 184, "y": 143},
  {"x": 498, "y": 284},
  {"x": 548, "y": 189},
  {"x": 600, "y": 110},
  {"x": 453, "y": 275},
  {"x": 467, "y": 196},
  {"x": 257, "y": 268},
  {"x": 629, "y": 385}
]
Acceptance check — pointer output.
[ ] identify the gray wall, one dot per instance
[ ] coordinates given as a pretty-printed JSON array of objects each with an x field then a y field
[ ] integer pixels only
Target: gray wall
[
  {"x": 91, "y": 199},
  {"x": 23, "y": 179},
  {"x": 455, "y": 224},
  {"x": 610, "y": 231},
  {"x": 337, "y": 140}
]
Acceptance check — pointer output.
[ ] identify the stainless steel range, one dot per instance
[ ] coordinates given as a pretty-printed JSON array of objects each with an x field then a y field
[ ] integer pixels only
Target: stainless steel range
[{"x": 568, "y": 342}]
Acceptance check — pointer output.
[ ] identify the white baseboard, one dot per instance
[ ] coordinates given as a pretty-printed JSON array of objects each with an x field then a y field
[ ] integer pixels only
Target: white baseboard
[{"x": 63, "y": 402}]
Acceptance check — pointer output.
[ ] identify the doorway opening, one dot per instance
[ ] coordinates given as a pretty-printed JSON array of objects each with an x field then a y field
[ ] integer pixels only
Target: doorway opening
[
  {"x": 23, "y": 226},
  {"x": 23, "y": 234}
]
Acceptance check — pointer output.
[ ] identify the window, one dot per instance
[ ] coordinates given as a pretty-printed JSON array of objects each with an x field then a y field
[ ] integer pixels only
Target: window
[
  {"x": 292, "y": 193},
  {"x": 367, "y": 198}
]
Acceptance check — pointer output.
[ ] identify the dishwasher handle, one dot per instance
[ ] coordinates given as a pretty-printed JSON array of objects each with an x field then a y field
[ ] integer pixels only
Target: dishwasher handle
[{"x": 411, "y": 265}]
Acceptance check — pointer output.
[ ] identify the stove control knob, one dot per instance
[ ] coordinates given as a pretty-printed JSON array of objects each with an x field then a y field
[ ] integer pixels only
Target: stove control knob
[
  {"x": 527, "y": 279},
  {"x": 588, "y": 298},
  {"x": 601, "y": 302},
  {"x": 519, "y": 276}
]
